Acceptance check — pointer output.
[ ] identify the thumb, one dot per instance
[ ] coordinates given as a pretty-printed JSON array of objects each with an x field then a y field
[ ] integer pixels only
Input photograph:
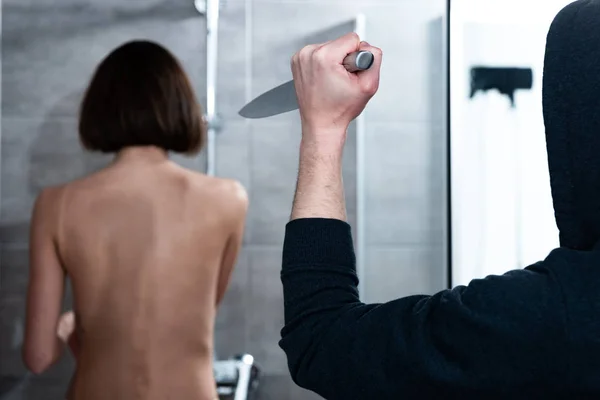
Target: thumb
[
  {"x": 369, "y": 79},
  {"x": 339, "y": 48}
]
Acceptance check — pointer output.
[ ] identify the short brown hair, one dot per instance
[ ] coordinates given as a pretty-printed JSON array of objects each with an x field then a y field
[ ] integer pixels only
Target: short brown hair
[{"x": 141, "y": 96}]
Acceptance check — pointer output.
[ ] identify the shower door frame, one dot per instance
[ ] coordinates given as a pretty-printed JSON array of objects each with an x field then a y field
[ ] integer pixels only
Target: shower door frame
[
  {"x": 361, "y": 247},
  {"x": 448, "y": 242}
]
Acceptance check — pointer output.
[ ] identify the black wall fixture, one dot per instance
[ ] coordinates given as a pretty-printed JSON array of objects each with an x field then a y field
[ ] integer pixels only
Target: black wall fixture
[{"x": 507, "y": 80}]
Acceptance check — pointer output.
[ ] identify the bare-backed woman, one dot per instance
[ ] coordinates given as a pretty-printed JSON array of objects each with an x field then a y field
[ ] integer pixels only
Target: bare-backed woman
[{"x": 149, "y": 246}]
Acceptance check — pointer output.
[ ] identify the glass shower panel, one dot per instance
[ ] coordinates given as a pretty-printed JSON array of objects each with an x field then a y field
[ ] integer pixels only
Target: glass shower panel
[{"x": 404, "y": 171}]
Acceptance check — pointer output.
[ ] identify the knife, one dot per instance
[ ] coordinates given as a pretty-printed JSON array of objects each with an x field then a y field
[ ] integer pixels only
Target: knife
[{"x": 282, "y": 98}]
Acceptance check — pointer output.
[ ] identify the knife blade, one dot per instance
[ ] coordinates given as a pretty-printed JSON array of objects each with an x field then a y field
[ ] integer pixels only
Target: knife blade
[{"x": 282, "y": 98}]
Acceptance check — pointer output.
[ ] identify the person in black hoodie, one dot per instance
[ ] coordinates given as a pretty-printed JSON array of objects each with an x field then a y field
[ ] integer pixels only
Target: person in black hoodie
[{"x": 528, "y": 334}]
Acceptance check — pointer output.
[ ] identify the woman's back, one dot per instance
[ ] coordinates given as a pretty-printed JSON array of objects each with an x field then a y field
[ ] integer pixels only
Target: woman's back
[
  {"x": 149, "y": 246},
  {"x": 143, "y": 242}
]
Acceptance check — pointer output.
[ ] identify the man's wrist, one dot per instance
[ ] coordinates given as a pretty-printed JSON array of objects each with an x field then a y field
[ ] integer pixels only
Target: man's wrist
[{"x": 326, "y": 142}]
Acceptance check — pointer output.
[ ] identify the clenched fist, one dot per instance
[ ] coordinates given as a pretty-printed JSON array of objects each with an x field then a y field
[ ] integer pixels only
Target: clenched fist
[{"x": 330, "y": 97}]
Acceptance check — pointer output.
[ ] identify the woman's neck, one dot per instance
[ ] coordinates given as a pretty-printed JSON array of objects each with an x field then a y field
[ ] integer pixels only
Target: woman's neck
[{"x": 143, "y": 154}]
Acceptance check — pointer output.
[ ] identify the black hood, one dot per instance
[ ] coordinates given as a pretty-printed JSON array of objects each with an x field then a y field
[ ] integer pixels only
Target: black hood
[{"x": 571, "y": 99}]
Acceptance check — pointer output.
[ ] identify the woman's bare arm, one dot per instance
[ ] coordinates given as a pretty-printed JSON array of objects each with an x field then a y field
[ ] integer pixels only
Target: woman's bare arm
[{"x": 45, "y": 292}]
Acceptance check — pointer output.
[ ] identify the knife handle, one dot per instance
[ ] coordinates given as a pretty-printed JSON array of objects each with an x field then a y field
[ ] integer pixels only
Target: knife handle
[{"x": 358, "y": 61}]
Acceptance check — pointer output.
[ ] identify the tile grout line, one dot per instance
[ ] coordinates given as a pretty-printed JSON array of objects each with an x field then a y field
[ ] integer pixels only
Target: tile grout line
[
  {"x": 248, "y": 36},
  {"x": 249, "y": 72},
  {"x": 248, "y": 48}
]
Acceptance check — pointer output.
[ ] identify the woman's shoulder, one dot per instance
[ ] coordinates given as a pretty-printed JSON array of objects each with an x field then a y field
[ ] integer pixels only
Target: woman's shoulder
[
  {"x": 226, "y": 189},
  {"x": 223, "y": 195}
]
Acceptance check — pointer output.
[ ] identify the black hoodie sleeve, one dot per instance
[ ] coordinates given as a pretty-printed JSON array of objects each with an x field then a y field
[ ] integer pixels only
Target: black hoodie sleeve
[{"x": 458, "y": 342}]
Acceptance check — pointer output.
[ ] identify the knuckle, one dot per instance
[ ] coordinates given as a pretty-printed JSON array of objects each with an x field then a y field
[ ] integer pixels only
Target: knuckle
[
  {"x": 301, "y": 52},
  {"x": 306, "y": 52},
  {"x": 320, "y": 55},
  {"x": 370, "y": 87},
  {"x": 354, "y": 35}
]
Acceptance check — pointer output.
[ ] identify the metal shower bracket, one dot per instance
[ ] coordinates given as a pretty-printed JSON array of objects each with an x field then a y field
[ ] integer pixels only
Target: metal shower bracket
[
  {"x": 210, "y": 9},
  {"x": 215, "y": 122},
  {"x": 201, "y": 5}
]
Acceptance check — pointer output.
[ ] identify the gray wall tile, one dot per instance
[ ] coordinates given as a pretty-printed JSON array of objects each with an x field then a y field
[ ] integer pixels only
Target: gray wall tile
[
  {"x": 14, "y": 260},
  {"x": 35, "y": 153},
  {"x": 275, "y": 387},
  {"x": 13, "y": 284},
  {"x": 397, "y": 272},
  {"x": 14, "y": 273},
  {"x": 231, "y": 326},
  {"x": 274, "y": 167},
  {"x": 298, "y": 393},
  {"x": 281, "y": 387},
  {"x": 11, "y": 327},
  {"x": 232, "y": 74},
  {"x": 233, "y": 148},
  {"x": 349, "y": 174},
  {"x": 404, "y": 201},
  {"x": 405, "y": 92},
  {"x": 265, "y": 309},
  {"x": 274, "y": 164},
  {"x": 47, "y": 73}
]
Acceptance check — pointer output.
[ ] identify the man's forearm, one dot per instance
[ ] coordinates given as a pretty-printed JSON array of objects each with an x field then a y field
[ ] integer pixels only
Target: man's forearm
[{"x": 320, "y": 190}]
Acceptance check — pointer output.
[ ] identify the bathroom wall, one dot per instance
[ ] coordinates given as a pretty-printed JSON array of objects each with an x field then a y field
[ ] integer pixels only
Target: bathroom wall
[{"x": 49, "y": 50}]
